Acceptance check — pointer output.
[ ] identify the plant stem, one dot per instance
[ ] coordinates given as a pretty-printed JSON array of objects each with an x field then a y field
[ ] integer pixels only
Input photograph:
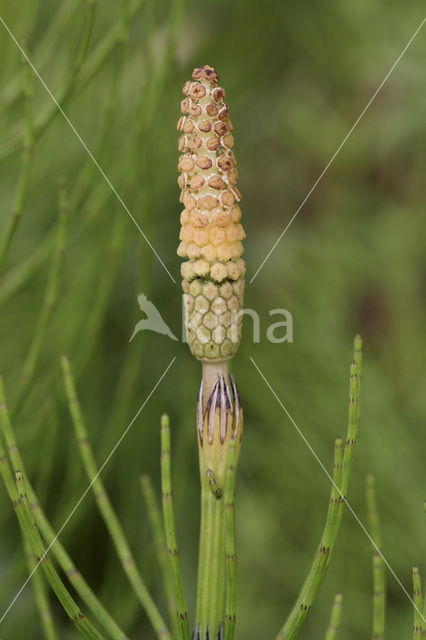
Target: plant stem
[
  {"x": 418, "y": 626},
  {"x": 18, "y": 497},
  {"x": 230, "y": 554},
  {"x": 87, "y": 69},
  {"x": 341, "y": 474},
  {"x": 49, "y": 301},
  {"x": 49, "y": 535},
  {"x": 79, "y": 620},
  {"x": 219, "y": 425},
  {"x": 40, "y": 594},
  {"x": 336, "y": 614},
  {"x": 24, "y": 175},
  {"x": 379, "y": 593},
  {"x": 211, "y": 567},
  {"x": 161, "y": 549},
  {"x": 105, "y": 507},
  {"x": 170, "y": 531}
]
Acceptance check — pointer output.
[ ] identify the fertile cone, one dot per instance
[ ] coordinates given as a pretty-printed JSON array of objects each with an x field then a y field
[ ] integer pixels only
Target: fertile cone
[{"x": 211, "y": 233}]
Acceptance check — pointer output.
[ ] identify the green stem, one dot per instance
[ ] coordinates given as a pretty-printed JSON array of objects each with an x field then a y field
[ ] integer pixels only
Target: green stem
[
  {"x": 92, "y": 65},
  {"x": 418, "y": 626},
  {"x": 211, "y": 566},
  {"x": 230, "y": 553},
  {"x": 18, "y": 497},
  {"x": 50, "y": 296},
  {"x": 105, "y": 507},
  {"x": 24, "y": 175},
  {"x": 49, "y": 535},
  {"x": 341, "y": 475},
  {"x": 170, "y": 531},
  {"x": 28, "y": 267},
  {"x": 81, "y": 623},
  {"x": 40, "y": 594},
  {"x": 336, "y": 614},
  {"x": 379, "y": 589},
  {"x": 157, "y": 530}
]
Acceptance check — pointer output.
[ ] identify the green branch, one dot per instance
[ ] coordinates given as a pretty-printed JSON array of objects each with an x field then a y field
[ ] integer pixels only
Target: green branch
[
  {"x": 105, "y": 507},
  {"x": 341, "y": 475},
  {"x": 25, "y": 170},
  {"x": 419, "y": 626},
  {"x": 379, "y": 588},
  {"x": 18, "y": 497},
  {"x": 170, "y": 531},
  {"x": 335, "y": 617},
  {"x": 230, "y": 553},
  {"x": 40, "y": 593},
  {"x": 50, "y": 297},
  {"x": 49, "y": 535},
  {"x": 82, "y": 69},
  {"x": 157, "y": 530}
]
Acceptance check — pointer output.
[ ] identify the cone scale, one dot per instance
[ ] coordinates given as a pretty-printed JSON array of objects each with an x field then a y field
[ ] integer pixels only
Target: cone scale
[{"x": 213, "y": 285}]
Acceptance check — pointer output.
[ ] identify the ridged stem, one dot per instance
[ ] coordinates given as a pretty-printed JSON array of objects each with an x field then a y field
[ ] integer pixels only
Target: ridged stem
[
  {"x": 50, "y": 297},
  {"x": 49, "y": 535},
  {"x": 24, "y": 174},
  {"x": 18, "y": 497},
  {"x": 170, "y": 531},
  {"x": 157, "y": 531},
  {"x": 106, "y": 509},
  {"x": 335, "y": 616},
  {"x": 40, "y": 594},
  {"x": 86, "y": 66},
  {"x": 341, "y": 475},
  {"x": 230, "y": 553},
  {"x": 379, "y": 593},
  {"x": 211, "y": 566},
  {"x": 419, "y": 626}
]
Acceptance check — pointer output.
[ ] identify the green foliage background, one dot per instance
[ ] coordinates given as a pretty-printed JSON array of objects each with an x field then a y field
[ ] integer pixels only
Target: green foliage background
[{"x": 297, "y": 75}]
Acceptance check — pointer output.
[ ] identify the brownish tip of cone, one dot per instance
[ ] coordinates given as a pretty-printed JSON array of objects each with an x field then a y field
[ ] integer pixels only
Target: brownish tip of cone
[{"x": 206, "y": 72}]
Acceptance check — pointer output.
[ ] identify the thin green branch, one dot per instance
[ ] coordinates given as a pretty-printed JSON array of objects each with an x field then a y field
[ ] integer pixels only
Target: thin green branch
[
  {"x": 50, "y": 296},
  {"x": 170, "y": 531},
  {"x": 335, "y": 617},
  {"x": 379, "y": 588},
  {"x": 105, "y": 507},
  {"x": 49, "y": 535},
  {"x": 73, "y": 74},
  {"x": 230, "y": 553},
  {"x": 17, "y": 495},
  {"x": 341, "y": 475},
  {"x": 157, "y": 530},
  {"x": 25, "y": 170},
  {"x": 419, "y": 625},
  {"x": 424, "y": 601},
  {"x": 87, "y": 69},
  {"x": 40, "y": 593},
  {"x": 43, "y": 50},
  {"x": 28, "y": 267},
  {"x": 212, "y": 484},
  {"x": 81, "y": 623}
]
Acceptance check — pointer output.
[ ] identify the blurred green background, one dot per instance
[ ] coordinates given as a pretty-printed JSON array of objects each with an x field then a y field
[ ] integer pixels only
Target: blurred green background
[{"x": 297, "y": 76}]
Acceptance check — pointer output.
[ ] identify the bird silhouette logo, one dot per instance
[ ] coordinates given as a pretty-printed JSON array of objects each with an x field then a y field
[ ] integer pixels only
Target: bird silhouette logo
[{"x": 153, "y": 320}]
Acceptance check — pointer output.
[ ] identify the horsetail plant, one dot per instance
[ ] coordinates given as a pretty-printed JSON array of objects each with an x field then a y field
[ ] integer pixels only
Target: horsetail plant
[
  {"x": 213, "y": 285},
  {"x": 335, "y": 617}
]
